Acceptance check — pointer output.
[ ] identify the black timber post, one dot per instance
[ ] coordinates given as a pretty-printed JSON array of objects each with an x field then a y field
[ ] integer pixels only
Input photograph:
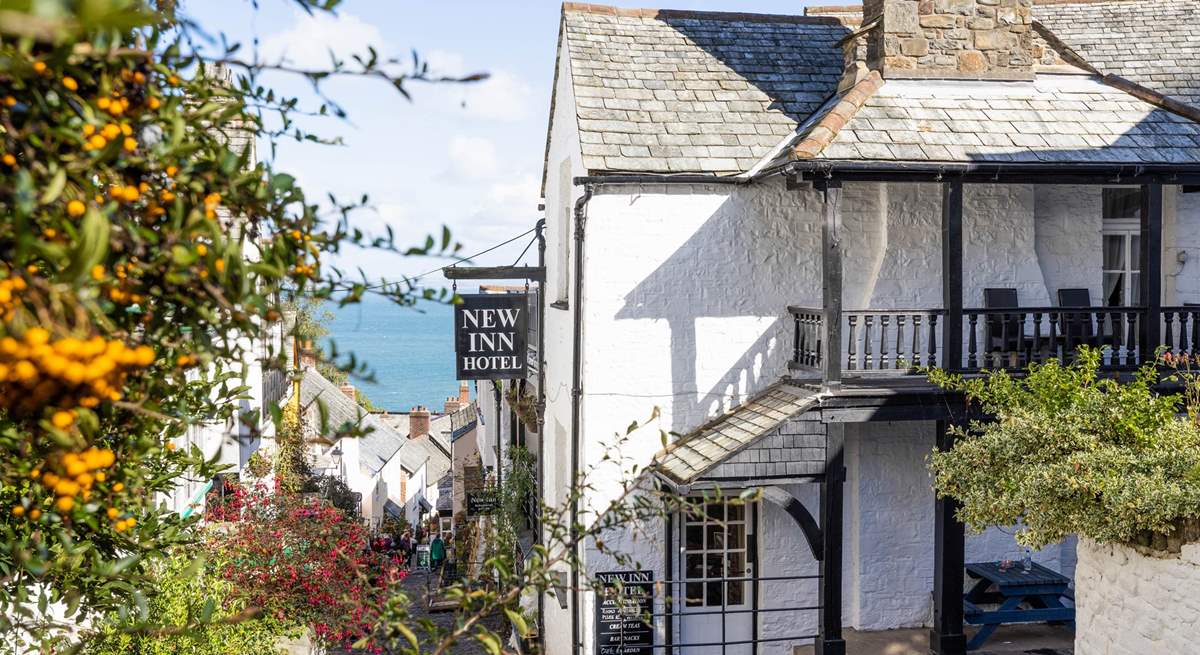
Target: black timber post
[
  {"x": 1151, "y": 257},
  {"x": 947, "y": 636},
  {"x": 831, "y": 281},
  {"x": 829, "y": 639},
  {"x": 952, "y": 274}
]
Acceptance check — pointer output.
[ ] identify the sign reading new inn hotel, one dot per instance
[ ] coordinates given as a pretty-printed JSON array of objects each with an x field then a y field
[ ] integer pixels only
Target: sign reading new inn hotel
[{"x": 490, "y": 335}]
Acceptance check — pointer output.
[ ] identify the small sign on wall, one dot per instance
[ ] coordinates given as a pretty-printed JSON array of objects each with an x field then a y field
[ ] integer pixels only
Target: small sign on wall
[
  {"x": 490, "y": 334},
  {"x": 623, "y": 601}
]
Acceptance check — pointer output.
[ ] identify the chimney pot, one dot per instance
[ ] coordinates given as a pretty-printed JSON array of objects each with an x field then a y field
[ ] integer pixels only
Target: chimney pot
[{"x": 464, "y": 394}]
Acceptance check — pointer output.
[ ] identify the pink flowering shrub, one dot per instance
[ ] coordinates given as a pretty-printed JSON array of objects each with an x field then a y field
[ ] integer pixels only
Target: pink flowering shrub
[{"x": 301, "y": 560}]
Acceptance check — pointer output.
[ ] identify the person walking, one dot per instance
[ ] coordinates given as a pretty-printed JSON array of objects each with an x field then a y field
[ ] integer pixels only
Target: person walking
[
  {"x": 437, "y": 552},
  {"x": 406, "y": 549}
]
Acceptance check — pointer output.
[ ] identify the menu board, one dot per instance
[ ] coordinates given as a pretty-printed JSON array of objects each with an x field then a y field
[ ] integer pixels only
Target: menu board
[{"x": 623, "y": 601}]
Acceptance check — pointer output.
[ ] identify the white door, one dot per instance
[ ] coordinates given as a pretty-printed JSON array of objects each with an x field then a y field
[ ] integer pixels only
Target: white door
[{"x": 717, "y": 566}]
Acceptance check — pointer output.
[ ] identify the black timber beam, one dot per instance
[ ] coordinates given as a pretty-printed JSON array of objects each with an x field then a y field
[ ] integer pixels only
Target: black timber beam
[
  {"x": 952, "y": 274},
  {"x": 1151, "y": 277},
  {"x": 536, "y": 273},
  {"x": 831, "y": 281},
  {"x": 949, "y": 561},
  {"x": 829, "y": 640}
]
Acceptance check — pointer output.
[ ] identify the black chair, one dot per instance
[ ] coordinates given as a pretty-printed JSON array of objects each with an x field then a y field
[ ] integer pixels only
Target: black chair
[
  {"x": 1002, "y": 332},
  {"x": 1077, "y": 327}
]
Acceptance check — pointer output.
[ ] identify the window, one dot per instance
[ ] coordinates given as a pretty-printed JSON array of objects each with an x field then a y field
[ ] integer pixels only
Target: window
[
  {"x": 1122, "y": 239},
  {"x": 563, "y": 279},
  {"x": 715, "y": 550}
]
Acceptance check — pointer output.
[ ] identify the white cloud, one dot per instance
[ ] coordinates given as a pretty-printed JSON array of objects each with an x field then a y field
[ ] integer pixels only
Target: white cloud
[
  {"x": 308, "y": 42},
  {"x": 504, "y": 96},
  {"x": 473, "y": 158}
]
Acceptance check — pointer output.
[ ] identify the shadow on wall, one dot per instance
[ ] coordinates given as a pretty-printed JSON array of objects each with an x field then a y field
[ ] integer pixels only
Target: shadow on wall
[{"x": 744, "y": 265}]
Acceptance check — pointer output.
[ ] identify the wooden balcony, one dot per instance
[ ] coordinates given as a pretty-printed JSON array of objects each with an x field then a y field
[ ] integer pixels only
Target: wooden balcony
[{"x": 903, "y": 342}]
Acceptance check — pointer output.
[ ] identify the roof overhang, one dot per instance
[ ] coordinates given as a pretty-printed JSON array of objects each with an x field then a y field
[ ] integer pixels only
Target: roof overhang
[{"x": 985, "y": 172}]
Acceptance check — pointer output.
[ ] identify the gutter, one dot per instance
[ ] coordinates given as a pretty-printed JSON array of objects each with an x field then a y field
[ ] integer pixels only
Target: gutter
[
  {"x": 576, "y": 400},
  {"x": 657, "y": 178},
  {"x": 541, "y": 418}
]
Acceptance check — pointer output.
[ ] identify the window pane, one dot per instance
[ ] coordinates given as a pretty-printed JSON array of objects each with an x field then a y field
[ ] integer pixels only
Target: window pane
[
  {"x": 713, "y": 595},
  {"x": 1135, "y": 288},
  {"x": 694, "y": 594},
  {"x": 695, "y": 537},
  {"x": 1114, "y": 289},
  {"x": 716, "y": 537},
  {"x": 735, "y": 565},
  {"x": 1122, "y": 203},
  {"x": 714, "y": 567},
  {"x": 695, "y": 566},
  {"x": 1114, "y": 252},
  {"x": 716, "y": 511},
  {"x": 1135, "y": 252},
  {"x": 736, "y": 533},
  {"x": 737, "y": 593},
  {"x": 736, "y": 512}
]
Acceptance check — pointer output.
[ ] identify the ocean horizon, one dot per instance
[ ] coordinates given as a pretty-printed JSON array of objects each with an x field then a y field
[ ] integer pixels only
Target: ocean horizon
[{"x": 410, "y": 350}]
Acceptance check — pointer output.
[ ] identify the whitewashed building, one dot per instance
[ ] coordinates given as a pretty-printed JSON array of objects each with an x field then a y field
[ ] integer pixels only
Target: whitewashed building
[{"x": 764, "y": 225}]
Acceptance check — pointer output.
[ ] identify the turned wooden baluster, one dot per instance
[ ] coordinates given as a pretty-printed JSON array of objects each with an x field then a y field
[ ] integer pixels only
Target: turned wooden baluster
[
  {"x": 1036, "y": 348},
  {"x": 1053, "y": 318},
  {"x": 916, "y": 341},
  {"x": 972, "y": 341},
  {"x": 932, "y": 359},
  {"x": 1131, "y": 335},
  {"x": 883, "y": 346},
  {"x": 1168, "y": 338},
  {"x": 852, "y": 362},
  {"x": 797, "y": 338},
  {"x": 868, "y": 323},
  {"x": 899, "y": 341}
]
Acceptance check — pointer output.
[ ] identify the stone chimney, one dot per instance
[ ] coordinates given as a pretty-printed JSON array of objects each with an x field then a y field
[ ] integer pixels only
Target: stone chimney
[
  {"x": 418, "y": 422},
  {"x": 452, "y": 405},
  {"x": 950, "y": 39},
  {"x": 308, "y": 355},
  {"x": 464, "y": 394},
  {"x": 350, "y": 391}
]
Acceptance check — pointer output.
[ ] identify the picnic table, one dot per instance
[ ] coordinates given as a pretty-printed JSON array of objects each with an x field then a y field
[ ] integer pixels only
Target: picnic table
[{"x": 1033, "y": 596}]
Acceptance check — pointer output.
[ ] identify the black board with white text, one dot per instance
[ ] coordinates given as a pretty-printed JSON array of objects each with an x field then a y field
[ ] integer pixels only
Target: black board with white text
[{"x": 490, "y": 334}]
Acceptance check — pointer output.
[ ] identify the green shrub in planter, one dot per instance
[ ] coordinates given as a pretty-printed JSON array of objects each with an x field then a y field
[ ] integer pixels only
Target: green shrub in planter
[
  {"x": 1073, "y": 452},
  {"x": 192, "y": 615}
]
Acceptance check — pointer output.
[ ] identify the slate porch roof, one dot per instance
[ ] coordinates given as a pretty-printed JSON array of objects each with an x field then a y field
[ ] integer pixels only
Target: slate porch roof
[
  {"x": 1155, "y": 43},
  {"x": 706, "y": 447},
  {"x": 376, "y": 447},
  {"x": 728, "y": 94}
]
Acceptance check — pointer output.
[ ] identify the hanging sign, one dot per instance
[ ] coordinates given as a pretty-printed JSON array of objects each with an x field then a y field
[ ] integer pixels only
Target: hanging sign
[
  {"x": 623, "y": 601},
  {"x": 482, "y": 502},
  {"x": 490, "y": 332}
]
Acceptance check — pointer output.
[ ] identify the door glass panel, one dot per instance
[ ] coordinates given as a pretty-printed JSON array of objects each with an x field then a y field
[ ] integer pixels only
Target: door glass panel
[
  {"x": 716, "y": 511},
  {"x": 716, "y": 536},
  {"x": 712, "y": 597},
  {"x": 714, "y": 568},
  {"x": 695, "y": 594},
  {"x": 736, "y": 565},
  {"x": 737, "y": 594},
  {"x": 736, "y": 533},
  {"x": 695, "y": 537},
  {"x": 695, "y": 566},
  {"x": 736, "y": 512}
]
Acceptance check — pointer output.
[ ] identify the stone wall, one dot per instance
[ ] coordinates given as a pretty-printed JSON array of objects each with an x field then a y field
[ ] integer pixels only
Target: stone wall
[
  {"x": 1127, "y": 603},
  {"x": 964, "y": 39}
]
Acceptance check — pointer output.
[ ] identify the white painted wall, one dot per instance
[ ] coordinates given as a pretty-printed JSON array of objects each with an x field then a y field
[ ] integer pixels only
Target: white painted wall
[{"x": 1127, "y": 603}]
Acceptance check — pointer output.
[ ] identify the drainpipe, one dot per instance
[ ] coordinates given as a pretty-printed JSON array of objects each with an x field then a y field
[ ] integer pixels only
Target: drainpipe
[
  {"x": 576, "y": 400},
  {"x": 541, "y": 414}
]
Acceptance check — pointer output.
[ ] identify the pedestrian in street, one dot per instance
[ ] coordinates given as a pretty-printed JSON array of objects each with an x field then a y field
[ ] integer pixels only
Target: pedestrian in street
[
  {"x": 437, "y": 552},
  {"x": 406, "y": 548}
]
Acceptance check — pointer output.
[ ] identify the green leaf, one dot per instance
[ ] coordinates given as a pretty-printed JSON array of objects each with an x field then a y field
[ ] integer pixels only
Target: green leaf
[
  {"x": 55, "y": 188},
  {"x": 518, "y": 622},
  {"x": 92, "y": 245}
]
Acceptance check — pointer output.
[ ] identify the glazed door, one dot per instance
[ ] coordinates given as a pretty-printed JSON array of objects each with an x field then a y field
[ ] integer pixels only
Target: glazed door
[{"x": 717, "y": 567}]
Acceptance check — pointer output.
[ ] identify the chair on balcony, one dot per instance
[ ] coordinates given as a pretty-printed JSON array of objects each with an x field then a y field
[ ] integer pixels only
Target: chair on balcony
[
  {"x": 1077, "y": 327},
  {"x": 1002, "y": 331}
]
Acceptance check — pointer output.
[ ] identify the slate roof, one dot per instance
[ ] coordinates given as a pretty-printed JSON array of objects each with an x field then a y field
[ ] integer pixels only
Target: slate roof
[
  {"x": 432, "y": 448},
  {"x": 1155, "y": 43},
  {"x": 669, "y": 91},
  {"x": 706, "y": 447},
  {"x": 376, "y": 447},
  {"x": 1058, "y": 118}
]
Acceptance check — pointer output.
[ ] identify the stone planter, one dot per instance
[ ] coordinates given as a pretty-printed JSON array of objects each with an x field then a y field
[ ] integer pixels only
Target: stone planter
[{"x": 1134, "y": 601}]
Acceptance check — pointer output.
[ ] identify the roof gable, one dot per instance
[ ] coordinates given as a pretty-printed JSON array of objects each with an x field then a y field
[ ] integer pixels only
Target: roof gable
[{"x": 672, "y": 91}]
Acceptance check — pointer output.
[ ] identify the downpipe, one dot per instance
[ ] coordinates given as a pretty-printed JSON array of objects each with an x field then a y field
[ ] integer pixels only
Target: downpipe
[{"x": 576, "y": 400}]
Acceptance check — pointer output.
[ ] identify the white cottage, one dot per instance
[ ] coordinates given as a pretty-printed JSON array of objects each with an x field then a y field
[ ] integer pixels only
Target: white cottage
[{"x": 763, "y": 225}]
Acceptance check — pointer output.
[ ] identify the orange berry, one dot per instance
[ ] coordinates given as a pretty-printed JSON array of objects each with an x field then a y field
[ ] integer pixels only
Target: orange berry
[
  {"x": 89, "y": 129},
  {"x": 97, "y": 272},
  {"x": 70, "y": 83},
  {"x": 130, "y": 193},
  {"x": 64, "y": 504},
  {"x": 172, "y": 170},
  {"x": 103, "y": 103},
  {"x": 118, "y": 487},
  {"x": 76, "y": 208},
  {"x": 201, "y": 250},
  {"x": 39, "y": 67},
  {"x": 9, "y": 159},
  {"x": 112, "y": 512},
  {"x": 97, "y": 141},
  {"x": 35, "y": 514},
  {"x": 99, "y": 475},
  {"x": 170, "y": 446},
  {"x": 153, "y": 103},
  {"x": 130, "y": 144},
  {"x": 219, "y": 265},
  {"x": 9, "y": 101},
  {"x": 18, "y": 510}
]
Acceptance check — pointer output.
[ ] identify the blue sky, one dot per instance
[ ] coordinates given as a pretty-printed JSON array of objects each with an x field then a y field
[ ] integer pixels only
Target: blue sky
[{"x": 466, "y": 156}]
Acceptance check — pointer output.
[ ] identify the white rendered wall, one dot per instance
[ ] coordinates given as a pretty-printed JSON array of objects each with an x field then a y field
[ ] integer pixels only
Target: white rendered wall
[
  {"x": 1127, "y": 603},
  {"x": 1181, "y": 235}
]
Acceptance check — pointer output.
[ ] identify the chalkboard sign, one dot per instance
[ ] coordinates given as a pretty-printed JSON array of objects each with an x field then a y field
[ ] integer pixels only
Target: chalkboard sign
[
  {"x": 623, "y": 600},
  {"x": 423, "y": 557},
  {"x": 490, "y": 331}
]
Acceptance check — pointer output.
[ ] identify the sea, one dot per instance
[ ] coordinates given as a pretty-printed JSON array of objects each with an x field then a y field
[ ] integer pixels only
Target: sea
[{"x": 410, "y": 351}]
